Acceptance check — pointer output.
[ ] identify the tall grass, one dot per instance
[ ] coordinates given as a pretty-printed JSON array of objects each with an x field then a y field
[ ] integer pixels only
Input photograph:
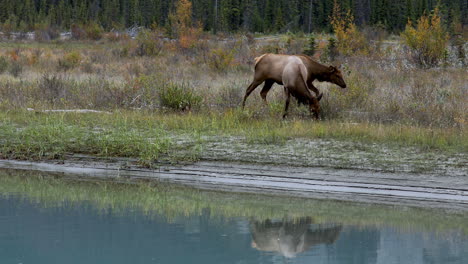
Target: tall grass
[{"x": 383, "y": 85}]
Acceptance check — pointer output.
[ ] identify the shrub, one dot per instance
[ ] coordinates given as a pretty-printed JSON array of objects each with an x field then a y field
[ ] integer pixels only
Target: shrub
[
  {"x": 88, "y": 67},
  {"x": 15, "y": 68},
  {"x": 221, "y": 59},
  {"x": 350, "y": 40},
  {"x": 45, "y": 32},
  {"x": 94, "y": 31},
  {"x": 293, "y": 44},
  {"x": 77, "y": 32},
  {"x": 428, "y": 41},
  {"x": 178, "y": 97},
  {"x": 51, "y": 88},
  {"x": 69, "y": 61},
  {"x": 189, "y": 38},
  {"x": 3, "y": 64},
  {"x": 149, "y": 43}
]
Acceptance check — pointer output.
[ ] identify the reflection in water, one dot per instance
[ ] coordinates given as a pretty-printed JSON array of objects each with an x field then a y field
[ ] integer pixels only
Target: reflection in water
[
  {"x": 47, "y": 222},
  {"x": 291, "y": 237}
]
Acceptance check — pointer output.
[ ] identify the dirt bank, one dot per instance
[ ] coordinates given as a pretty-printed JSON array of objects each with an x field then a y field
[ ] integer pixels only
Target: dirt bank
[{"x": 410, "y": 189}]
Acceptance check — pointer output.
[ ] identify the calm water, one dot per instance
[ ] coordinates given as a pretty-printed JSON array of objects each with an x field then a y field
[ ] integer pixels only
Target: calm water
[
  {"x": 57, "y": 230},
  {"x": 33, "y": 233}
]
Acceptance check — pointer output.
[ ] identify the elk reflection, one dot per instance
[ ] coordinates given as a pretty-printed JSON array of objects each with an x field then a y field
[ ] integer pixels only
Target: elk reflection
[{"x": 290, "y": 237}]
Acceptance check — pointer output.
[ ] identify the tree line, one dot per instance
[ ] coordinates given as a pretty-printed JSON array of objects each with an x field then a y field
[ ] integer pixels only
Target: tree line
[{"x": 268, "y": 16}]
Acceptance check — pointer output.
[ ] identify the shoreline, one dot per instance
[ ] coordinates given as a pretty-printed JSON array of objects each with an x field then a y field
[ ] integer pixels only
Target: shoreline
[{"x": 352, "y": 185}]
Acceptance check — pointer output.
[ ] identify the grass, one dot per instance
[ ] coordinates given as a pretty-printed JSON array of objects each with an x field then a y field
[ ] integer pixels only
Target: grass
[
  {"x": 154, "y": 136},
  {"x": 172, "y": 201},
  {"x": 383, "y": 86},
  {"x": 172, "y": 104},
  {"x": 51, "y": 137}
]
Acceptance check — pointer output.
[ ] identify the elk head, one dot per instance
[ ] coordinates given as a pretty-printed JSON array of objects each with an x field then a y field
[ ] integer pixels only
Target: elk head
[{"x": 336, "y": 77}]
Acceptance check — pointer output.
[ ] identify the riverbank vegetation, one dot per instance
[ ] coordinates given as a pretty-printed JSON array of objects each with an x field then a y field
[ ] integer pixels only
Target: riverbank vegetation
[
  {"x": 166, "y": 96},
  {"x": 235, "y": 135}
]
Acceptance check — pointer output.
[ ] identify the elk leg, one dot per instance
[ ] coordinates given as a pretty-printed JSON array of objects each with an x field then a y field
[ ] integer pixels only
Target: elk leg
[
  {"x": 288, "y": 99},
  {"x": 315, "y": 90},
  {"x": 314, "y": 107},
  {"x": 249, "y": 90},
  {"x": 265, "y": 89}
]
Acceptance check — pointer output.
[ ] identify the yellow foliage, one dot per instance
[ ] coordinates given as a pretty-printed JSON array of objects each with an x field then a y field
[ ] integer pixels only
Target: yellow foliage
[
  {"x": 221, "y": 59},
  {"x": 189, "y": 38},
  {"x": 181, "y": 19},
  {"x": 69, "y": 61},
  {"x": 182, "y": 25},
  {"x": 428, "y": 40},
  {"x": 351, "y": 41}
]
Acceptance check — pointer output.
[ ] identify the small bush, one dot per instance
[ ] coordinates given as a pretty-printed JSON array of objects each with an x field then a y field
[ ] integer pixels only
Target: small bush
[
  {"x": 178, "y": 97},
  {"x": 221, "y": 59},
  {"x": 149, "y": 43},
  {"x": 189, "y": 38},
  {"x": 88, "y": 67},
  {"x": 51, "y": 88},
  {"x": 15, "y": 68},
  {"x": 94, "y": 31},
  {"x": 45, "y": 33},
  {"x": 294, "y": 45},
  {"x": 69, "y": 61},
  {"x": 77, "y": 32},
  {"x": 3, "y": 64},
  {"x": 428, "y": 41}
]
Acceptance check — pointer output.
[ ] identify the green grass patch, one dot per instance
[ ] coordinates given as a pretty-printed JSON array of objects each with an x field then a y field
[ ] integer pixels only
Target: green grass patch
[
  {"x": 147, "y": 135},
  {"x": 53, "y": 136}
]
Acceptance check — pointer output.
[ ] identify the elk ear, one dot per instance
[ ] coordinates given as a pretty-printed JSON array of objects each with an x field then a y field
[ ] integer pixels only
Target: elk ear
[{"x": 332, "y": 69}]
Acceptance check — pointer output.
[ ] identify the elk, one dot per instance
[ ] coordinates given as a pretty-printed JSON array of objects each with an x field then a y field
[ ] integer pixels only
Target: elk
[
  {"x": 269, "y": 68},
  {"x": 294, "y": 79}
]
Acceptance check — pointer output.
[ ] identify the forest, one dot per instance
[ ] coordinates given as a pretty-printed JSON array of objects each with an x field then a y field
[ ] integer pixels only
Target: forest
[{"x": 266, "y": 16}]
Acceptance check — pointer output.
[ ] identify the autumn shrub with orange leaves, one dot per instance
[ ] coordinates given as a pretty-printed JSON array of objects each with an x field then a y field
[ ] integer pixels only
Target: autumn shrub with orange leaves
[
  {"x": 427, "y": 41},
  {"x": 182, "y": 27},
  {"x": 350, "y": 41},
  {"x": 189, "y": 38}
]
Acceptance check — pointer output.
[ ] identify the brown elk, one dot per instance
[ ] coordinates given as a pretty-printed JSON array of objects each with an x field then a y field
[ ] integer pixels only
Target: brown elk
[
  {"x": 290, "y": 237},
  {"x": 294, "y": 79},
  {"x": 269, "y": 69}
]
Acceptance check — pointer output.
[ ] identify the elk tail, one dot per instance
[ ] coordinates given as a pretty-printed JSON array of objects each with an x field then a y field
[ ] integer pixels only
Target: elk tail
[{"x": 257, "y": 59}]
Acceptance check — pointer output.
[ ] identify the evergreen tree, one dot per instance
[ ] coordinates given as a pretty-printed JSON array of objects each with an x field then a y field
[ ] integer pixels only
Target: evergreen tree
[{"x": 230, "y": 15}]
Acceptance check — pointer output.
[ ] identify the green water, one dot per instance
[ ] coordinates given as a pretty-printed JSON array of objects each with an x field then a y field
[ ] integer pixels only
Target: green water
[{"x": 54, "y": 221}]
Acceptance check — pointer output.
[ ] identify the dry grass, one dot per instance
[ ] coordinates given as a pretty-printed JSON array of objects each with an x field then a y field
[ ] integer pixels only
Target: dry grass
[{"x": 383, "y": 86}]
